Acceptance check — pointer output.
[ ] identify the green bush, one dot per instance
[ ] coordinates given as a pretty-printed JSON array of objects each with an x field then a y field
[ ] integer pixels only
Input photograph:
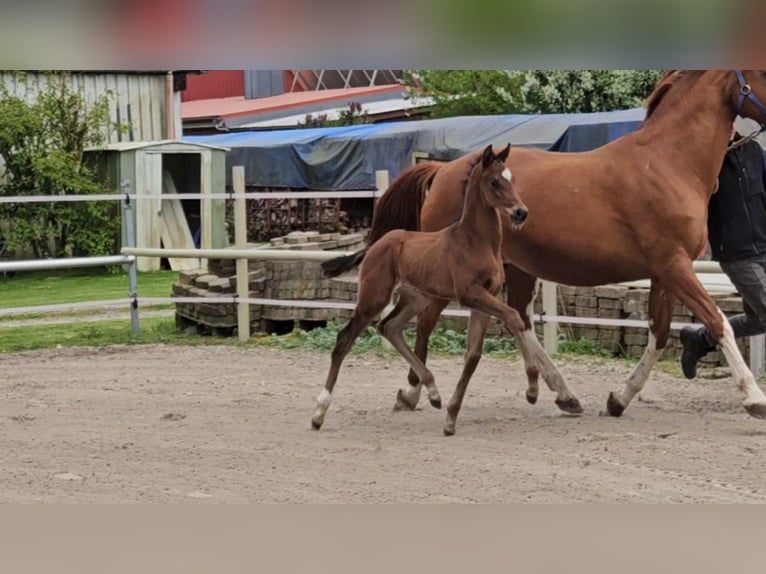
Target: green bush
[{"x": 42, "y": 145}]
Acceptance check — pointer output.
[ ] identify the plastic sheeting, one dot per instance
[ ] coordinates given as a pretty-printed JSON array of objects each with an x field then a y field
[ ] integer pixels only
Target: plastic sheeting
[{"x": 346, "y": 157}]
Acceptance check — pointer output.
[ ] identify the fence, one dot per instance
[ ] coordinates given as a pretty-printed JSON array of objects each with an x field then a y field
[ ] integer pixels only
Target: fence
[{"x": 710, "y": 272}]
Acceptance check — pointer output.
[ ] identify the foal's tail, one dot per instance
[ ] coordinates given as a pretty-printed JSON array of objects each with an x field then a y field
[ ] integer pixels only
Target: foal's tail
[{"x": 398, "y": 208}]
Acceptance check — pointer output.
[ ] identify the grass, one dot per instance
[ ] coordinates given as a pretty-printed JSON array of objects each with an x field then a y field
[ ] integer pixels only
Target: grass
[
  {"x": 80, "y": 285},
  {"x": 47, "y": 288},
  {"x": 96, "y": 334}
]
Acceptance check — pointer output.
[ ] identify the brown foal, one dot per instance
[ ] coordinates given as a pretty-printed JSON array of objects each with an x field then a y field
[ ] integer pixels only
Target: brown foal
[{"x": 460, "y": 262}]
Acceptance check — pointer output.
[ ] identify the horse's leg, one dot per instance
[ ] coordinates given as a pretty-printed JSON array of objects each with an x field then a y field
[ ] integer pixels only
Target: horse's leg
[
  {"x": 408, "y": 398},
  {"x": 375, "y": 292},
  {"x": 477, "y": 329},
  {"x": 392, "y": 327},
  {"x": 660, "y": 312},
  {"x": 521, "y": 291},
  {"x": 691, "y": 293},
  {"x": 343, "y": 344}
]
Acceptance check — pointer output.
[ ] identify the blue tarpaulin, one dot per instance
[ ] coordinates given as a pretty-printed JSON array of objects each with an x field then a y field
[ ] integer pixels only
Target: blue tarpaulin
[{"x": 346, "y": 157}]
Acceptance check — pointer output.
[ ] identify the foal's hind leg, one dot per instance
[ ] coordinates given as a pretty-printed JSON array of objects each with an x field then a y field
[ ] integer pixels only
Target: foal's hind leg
[
  {"x": 392, "y": 327},
  {"x": 477, "y": 329},
  {"x": 375, "y": 290},
  {"x": 343, "y": 344},
  {"x": 427, "y": 319},
  {"x": 521, "y": 292},
  {"x": 660, "y": 313}
]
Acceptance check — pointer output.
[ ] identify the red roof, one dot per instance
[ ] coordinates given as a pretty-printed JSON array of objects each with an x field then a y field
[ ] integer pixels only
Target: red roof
[{"x": 240, "y": 106}]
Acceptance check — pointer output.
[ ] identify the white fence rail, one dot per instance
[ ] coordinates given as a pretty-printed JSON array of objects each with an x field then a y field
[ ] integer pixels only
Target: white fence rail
[{"x": 709, "y": 272}]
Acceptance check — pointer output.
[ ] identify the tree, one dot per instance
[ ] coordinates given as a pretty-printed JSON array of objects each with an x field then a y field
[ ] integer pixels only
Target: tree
[
  {"x": 466, "y": 92},
  {"x": 42, "y": 145},
  {"x": 480, "y": 92},
  {"x": 572, "y": 91}
]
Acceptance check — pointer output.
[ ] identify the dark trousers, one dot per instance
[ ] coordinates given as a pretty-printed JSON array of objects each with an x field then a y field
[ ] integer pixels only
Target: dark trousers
[{"x": 749, "y": 277}]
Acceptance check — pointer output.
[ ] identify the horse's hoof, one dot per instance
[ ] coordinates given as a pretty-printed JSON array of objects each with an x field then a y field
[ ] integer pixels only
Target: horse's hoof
[
  {"x": 436, "y": 403},
  {"x": 613, "y": 406},
  {"x": 316, "y": 424},
  {"x": 531, "y": 399},
  {"x": 571, "y": 406},
  {"x": 757, "y": 410},
  {"x": 401, "y": 402},
  {"x": 449, "y": 430}
]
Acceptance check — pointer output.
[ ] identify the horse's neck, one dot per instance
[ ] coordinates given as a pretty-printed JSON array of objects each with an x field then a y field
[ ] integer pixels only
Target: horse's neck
[
  {"x": 479, "y": 221},
  {"x": 691, "y": 126}
]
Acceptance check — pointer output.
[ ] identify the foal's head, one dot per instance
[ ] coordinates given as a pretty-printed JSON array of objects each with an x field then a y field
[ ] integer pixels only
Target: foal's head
[{"x": 496, "y": 184}]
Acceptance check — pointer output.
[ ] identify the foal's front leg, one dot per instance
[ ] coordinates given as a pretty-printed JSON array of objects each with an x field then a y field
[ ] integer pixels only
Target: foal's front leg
[
  {"x": 521, "y": 292},
  {"x": 478, "y": 298}
]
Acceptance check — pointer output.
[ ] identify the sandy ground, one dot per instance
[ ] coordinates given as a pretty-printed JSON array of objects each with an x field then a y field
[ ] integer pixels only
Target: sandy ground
[{"x": 173, "y": 424}]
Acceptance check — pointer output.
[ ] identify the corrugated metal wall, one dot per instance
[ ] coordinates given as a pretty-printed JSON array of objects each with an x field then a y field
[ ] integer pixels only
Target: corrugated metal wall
[
  {"x": 214, "y": 84},
  {"x": 264, "y": 83},
  {"x": 138, "y": 99}
]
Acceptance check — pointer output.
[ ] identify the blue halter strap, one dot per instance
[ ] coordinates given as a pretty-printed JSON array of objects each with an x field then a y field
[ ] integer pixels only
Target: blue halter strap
[{"x": 745, "y": 92}]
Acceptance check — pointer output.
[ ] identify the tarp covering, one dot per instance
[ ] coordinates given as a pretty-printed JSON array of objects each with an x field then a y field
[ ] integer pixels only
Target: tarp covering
[{"x": 346, "y": 158}]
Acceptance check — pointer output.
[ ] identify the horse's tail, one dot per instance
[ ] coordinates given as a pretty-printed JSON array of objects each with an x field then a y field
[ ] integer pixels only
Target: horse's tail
[{"x": 398, "y": 208}]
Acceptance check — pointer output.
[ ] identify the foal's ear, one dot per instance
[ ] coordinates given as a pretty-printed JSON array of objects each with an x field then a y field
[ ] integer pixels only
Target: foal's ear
[
  {"x": 503, "y": 155},
  {"x": 488, "y": 156}
]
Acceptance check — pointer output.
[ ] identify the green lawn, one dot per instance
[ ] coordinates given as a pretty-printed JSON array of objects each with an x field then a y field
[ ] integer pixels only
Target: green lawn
[{"x": 50, "y": 288}]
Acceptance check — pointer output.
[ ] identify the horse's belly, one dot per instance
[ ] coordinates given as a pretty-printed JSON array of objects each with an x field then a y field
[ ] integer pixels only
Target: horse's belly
[{"x": 572, "y": 266}]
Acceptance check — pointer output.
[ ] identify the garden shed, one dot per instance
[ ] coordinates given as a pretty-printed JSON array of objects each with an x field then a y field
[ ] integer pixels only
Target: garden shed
[{"x": 165, "y": 168}]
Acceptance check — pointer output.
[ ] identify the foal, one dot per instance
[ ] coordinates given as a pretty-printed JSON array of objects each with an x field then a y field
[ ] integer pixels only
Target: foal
[{"x": 460, "y": 262}]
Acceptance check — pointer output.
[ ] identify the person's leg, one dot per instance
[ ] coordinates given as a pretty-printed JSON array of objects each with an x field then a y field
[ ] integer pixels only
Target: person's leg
[{"x": 749, "y": 278}]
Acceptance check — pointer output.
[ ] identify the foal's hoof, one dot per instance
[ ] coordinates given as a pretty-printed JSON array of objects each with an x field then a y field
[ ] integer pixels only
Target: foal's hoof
[
  {"x": 613, "y": 406},
  {"x": 402, "y": 404},
  {"x": 436, "y": 403},
  {"x": 316, "y": 424},
  {"x": 571, "y": 405},
  {"x": 757, "y": 410},
  {"x": 449, "y": 430},
  {"x": 531, "y": 398}
]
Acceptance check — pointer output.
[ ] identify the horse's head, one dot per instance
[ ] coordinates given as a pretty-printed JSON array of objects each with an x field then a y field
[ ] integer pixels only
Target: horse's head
[
  {"x": 750, "y": 97},
  {"x": 496, "y": 184}
]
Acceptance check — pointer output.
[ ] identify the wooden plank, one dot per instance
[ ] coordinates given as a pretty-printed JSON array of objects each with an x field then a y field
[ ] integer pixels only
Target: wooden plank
[
  {"x": 148, "y": 181},
  {"x": 206, "y": 205},
  {"x": 174, "y": 229}
]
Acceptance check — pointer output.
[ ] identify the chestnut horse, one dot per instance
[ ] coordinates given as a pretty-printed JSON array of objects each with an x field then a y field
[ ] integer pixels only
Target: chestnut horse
[
  {"x": 461, "y": 262},
  {"x": 635, "y": 208}
]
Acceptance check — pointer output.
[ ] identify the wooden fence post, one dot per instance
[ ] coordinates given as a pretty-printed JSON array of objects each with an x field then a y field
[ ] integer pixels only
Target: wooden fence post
[{"x": 240, "y": 242}]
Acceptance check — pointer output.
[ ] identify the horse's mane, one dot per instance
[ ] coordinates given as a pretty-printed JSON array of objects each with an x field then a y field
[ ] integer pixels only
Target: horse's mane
[
  {"x": 663, "y": 86},
  {"x": 668, "y": 80}
]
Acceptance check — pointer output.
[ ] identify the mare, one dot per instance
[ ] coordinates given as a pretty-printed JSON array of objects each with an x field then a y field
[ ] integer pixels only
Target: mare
[
  {"x": 462, "y": 261},
  {"x": 635, "y": 208}
]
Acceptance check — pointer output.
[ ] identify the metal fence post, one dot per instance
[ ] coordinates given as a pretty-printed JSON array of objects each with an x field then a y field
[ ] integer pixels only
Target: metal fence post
[{"x": 130, "y": 240}]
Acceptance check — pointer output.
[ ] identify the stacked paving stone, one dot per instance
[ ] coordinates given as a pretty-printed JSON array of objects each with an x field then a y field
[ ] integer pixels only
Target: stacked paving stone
[
  {"x": 285, "y": 280},
  {"x": 302, "y": 280}
]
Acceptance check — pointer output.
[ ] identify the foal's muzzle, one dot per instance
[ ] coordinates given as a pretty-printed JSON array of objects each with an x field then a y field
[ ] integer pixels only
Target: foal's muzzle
[{"x": 518, "y": 215}]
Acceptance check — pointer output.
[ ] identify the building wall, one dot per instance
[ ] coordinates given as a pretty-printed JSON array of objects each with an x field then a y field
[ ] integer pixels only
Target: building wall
[
  {"x": 138, "y": 99},
  {"x": 214, "y": 84}
]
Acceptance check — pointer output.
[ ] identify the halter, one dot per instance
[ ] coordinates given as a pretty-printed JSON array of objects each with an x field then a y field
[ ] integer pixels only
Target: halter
[{"x": 746, "y": 93}]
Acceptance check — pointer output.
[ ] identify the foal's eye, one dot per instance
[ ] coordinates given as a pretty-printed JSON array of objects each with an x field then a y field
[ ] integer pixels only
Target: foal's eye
[{"x": 494, "y": 183}]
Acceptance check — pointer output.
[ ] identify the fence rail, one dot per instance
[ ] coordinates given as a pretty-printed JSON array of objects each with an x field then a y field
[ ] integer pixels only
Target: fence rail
[{"x": 709, "y": 272}]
